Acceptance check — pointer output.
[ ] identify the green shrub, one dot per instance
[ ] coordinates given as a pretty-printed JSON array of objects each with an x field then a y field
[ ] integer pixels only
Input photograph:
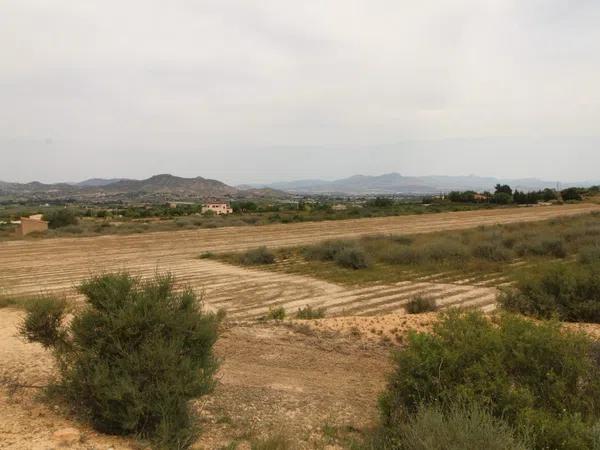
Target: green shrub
[
  {"x": 458, "y": 428},
  {"x": 491, "y": 252},
  {"x": 543, "y": 247},
  {"x": 420, "y": 304},
  {"x": 276, "y": 313},
  {"x": 569, "y": 292},
  {"x": 61, "y": 218},
  {"x": 44, "y": 321},
  {"x": 402, "y": 255},
  {"x": 327, "y": 251},
  {"x": 308, "y": 312},
  {"x": 537, "y": 377},
  {"x": 445, "y": 250},
  {"x": 133, "y": 357},
  {"x": 257, "y": 256},
  {"x": 590, "y": 255},
  {"x": 206, "y": 255},
  {"x": 352, "y": 258}
]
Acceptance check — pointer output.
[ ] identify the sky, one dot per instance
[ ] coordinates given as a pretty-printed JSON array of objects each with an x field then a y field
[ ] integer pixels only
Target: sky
[{"x": 257, "y": 91}]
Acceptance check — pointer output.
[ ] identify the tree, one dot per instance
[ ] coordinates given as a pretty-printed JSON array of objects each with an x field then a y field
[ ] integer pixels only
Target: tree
[
  {"x": 505, "y": 188},
  {"x": 571, "y": 194},
  {"x": 61, "y": 218}
]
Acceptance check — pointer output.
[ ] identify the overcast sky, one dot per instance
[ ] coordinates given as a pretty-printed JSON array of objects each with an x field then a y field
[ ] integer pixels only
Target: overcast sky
[{"x": 254, "y": 91}]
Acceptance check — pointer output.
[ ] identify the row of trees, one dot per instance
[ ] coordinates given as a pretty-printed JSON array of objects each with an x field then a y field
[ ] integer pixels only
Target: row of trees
[{"x": 504, "y": 194}]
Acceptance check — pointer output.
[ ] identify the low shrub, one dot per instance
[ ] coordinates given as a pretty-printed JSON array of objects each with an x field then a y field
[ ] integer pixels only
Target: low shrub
[
  {"x": 401, "y": 256},
  {"x": 206, "y": 255},
  {"x": 590, "y": 255},
  {"x": 327, "y": 251},
  {"x": 257, "y": 256},
  {"x": 276, "y": 313},
  {"x": 544, "y": 381},
  {"x": 491, "y": 252},
  {"x": 445, "y": 250},
  {"x": 458, "y": 428},
  {"x": 133, "y": 356},
  {"x": 543, "y": 247},
  {"x": 308, "y": 312},
  {"x": 569, "y": 292},
  {"x": 352, "y": 258},
  {"x": 420, "y": 304}
]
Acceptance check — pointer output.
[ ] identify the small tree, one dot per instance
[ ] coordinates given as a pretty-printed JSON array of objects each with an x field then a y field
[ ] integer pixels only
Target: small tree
[
  {"x": 133, "y": 357},
  {"x": 61, "y": 218}
]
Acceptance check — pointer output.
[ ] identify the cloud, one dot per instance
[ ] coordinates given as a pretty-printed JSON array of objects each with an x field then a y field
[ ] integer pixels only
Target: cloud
[{"x": 137, "y": 87}]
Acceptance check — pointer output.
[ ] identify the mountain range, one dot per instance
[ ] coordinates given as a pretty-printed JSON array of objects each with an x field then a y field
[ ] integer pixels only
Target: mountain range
[
  {"x": 395, "y": 183},
  {"x": 162, "y": 187}
]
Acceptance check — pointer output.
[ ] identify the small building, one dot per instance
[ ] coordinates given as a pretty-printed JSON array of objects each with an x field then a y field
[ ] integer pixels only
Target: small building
[
  {"x": 217, "y": 208},
  {"x": 30, "y": 225}
]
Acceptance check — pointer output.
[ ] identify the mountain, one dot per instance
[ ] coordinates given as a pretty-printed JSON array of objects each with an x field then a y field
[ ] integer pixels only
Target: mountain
[
  {"x": 94, "y": 182},
  {"x": 395, "y": 183},
  {"x": 157, "y": 188}
]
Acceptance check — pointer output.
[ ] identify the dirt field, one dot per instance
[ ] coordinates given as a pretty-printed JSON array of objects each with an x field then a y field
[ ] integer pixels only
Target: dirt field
[{"x": 56, "y": 265}]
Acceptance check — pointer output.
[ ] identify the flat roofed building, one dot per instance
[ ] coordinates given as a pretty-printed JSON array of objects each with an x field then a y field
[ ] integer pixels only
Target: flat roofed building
[
  {"x": 31, "y": 224},
  {"x": 217, "y": 208}
]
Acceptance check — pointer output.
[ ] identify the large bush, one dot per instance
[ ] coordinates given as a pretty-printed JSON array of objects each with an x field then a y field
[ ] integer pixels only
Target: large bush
[
  {"x": 61, "y": 218},
  {"x": 570, "y": 292},
  {"x": 133, "y": 357},
  {"x": 258, "y": 256},
  {"x": 539, "y": 378}
]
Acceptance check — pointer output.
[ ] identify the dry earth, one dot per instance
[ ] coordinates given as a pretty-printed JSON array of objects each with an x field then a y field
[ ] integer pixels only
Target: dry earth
[{"x": 297, "y": 377}]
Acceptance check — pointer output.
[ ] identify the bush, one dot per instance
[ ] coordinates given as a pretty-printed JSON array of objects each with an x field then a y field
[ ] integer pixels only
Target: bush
[
  {"x": 61, "y": 218},
  {"x": 590, "y": 255},
  {"x": 420, "y": 304},
  {"x": 569, "y": 292},
  {"x": 537, "y": 377},
  {"x": 258, "y": 256},
  {"x": 402, "y": 255},
  {"x": 459, "y": 428},
  {"x": 308, "y": 312},
  {"x": 543, "y": 247},
  {"x": 133, "y": 357},
  {"x": 352, "y": 258},
  {"x": 276, "y": 313},
  {"x": 327, "y": 251},
  {"x": 491, "y": 252},
  {"x": 445, "y": 250},
  {"x": 44, "y": 321}
]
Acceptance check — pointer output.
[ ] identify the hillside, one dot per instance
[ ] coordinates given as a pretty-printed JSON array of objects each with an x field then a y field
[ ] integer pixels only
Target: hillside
[{"x": 156, "y": 188}]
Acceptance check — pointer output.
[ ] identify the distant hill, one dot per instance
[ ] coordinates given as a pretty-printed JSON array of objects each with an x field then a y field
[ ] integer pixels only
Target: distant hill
[
  {"x": 162, "y": 187},
  {"x": 395, "y": 183},
  {"x": 94, "y": 182}
]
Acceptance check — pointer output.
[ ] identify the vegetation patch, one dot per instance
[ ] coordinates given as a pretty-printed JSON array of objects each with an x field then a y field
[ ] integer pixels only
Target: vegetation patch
[
  {"x": 257, "y": 256},
  {"x": 133, "y": 357},
  {"x": 308, "y": 312},
  {"x": 541, "y": 381},
  {"x": 570, "y": 292},
  {"x": 420, "y": 304}
]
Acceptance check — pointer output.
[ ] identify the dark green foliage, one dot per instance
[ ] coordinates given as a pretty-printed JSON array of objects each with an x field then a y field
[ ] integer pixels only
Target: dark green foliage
[
  {"x": 420, "y": 304},
  {"x": 257, "y": 256},
  {"x": 503, "y": 189},
  {"x": 542, "y": 380},
  {"x": 572, "y": 194},
  {"x": 459, "y": 428},
  {"x": 135, "y": 355},
  {"x": 492, "y": 251},
  {"x": 352, "y": 258},
  {"x": 381, "y": 202},
  {"x": 569, "y": 292},
  {"x": 502, "y": 198},
  {"x": 308, "y": 312},
  {"x": 61, "y": 218},
  {"x": 327, "y": 250},
  {"x": 44, "y": 321}
]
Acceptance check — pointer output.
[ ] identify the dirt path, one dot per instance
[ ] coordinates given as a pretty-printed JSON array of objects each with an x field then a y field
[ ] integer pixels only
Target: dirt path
[{"x": 56, "y": 265}]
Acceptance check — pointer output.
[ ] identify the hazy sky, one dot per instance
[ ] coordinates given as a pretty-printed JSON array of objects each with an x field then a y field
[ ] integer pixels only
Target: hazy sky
[{"x": 251, "y": 91}]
